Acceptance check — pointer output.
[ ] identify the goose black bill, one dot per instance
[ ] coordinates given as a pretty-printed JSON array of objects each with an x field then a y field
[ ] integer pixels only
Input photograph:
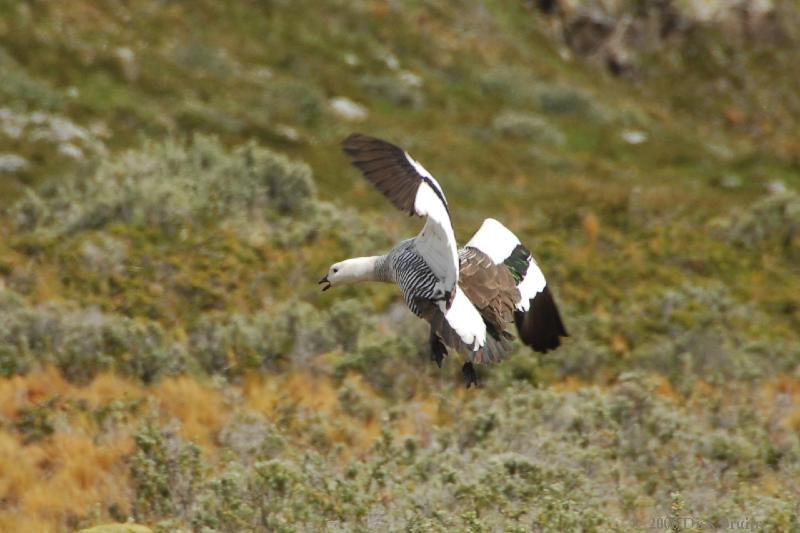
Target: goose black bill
[{"x": 325, "y": 280}]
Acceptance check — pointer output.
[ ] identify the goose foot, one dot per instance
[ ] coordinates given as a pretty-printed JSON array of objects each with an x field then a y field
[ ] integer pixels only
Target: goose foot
[
  {"x": 470, "y": 375},
  {"x": 438, "y": 350}
]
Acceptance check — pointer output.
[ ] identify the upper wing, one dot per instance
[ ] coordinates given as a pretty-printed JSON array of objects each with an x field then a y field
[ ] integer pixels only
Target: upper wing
[
  {"x": 537, "y": 317},
  {"x": 490, "y": 287},
  {"x": 412, "y": 189}
]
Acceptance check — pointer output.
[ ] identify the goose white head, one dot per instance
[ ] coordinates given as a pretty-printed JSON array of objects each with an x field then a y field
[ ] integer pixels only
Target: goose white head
[{"x": 350, "y": 271}]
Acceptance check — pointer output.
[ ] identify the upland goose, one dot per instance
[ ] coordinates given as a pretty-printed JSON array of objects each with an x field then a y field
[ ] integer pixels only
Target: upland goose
[{"x": 469, "y": 296}]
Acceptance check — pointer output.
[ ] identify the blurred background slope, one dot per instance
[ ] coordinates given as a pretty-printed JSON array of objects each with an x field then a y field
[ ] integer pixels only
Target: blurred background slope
[{"x": 171, "y": 187}]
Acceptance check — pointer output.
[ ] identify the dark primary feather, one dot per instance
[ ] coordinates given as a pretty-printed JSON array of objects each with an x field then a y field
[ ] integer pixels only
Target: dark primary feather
[
  {"x": 541, "y": 327},
  {"x": 387, "y": 168}
]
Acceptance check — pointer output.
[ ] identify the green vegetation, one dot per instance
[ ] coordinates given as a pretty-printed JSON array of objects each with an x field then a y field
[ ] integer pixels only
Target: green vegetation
[
  {"x": 532, "y": 458},
  {"x": 171, "y": 188}
]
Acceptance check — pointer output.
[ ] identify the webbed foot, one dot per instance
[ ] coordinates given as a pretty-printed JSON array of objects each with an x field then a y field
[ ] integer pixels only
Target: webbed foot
[
  {"x": 470, "y": 375},
  {"x": 438, "y": 349}
]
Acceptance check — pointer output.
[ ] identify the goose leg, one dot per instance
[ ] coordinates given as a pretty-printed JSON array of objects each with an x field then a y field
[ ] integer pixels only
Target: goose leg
[
  {"x": 438, "y": 349},
  {"x": 470, "y": 375}
]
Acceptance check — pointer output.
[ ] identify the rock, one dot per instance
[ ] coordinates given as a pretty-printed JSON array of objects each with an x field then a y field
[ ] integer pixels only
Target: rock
[
  {"x": 776, "y": 187},
  {"x": 127, "y": 62},
  {"x": 410, "y": 79},
  {"x": 634, "y": 136},
  {"x": 615, "y": 34},
  {"x": 12, "y": 163},
  {"x": 391, "y": 60},
  {"x": 347, "y": 109},
  {"x": 730, "y": 181},
  {"x": 351, "y": 59},
  {"x": 287, "y": 132},
  {"x": 70, "y": 150}
]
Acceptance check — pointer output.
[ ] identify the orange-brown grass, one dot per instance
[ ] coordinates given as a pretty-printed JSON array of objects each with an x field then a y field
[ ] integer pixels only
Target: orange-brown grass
[
  {"x": 17, "y": 392},
  {"x": 665, "y": 390},
  {"x": 77, "y": 474},
  {"x": 302, "y": 399},
  {"x": 780, "y": 403},
  {"x": 569, "y": 384},
  {"x": 701, "y": 390},
  {"x": 48, "y": 484},
  {"x": 10, "y": 521},
  {"x": 201, "y": 409},
  {"x": 58, "y": 479},
  {"x": 106, "y": 387}
]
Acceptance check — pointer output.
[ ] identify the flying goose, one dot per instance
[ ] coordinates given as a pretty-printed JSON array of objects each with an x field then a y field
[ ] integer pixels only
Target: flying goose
[{"x": 469, "y": 296}]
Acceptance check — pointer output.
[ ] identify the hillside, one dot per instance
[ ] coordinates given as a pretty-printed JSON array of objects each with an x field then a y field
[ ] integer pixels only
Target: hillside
[{"x": 172, "y": 187}]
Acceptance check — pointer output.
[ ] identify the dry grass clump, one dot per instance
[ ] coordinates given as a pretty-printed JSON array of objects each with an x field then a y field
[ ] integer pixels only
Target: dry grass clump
[
  {"x": 77, "y": 472},
  {"x": 61, "y": 476}
]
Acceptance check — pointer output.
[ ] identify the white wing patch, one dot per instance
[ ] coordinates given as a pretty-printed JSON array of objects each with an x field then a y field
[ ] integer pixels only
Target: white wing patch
[
  {"x": 495, "y": 240},
  {"x": 531, "y": 284},
  {"x": 465, "y": 320},
  {"x": 424, "y": 173},
  {"x": 498, "y": 242},
  {"x": 437, "y": 241}
]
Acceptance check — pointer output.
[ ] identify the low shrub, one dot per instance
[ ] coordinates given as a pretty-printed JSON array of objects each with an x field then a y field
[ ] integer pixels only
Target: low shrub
[
  {"x": 170, "y": 186},
  {"x": 394, "y": 90},
  {"x": 527, "y": 126},
  {"x": 82, "y": 342},
  {"x": 773, "y": 219},
  {"x": 555, "y": 99},
  {"x": 165, "y": 473},
  {"x": 591, "y": 452}
]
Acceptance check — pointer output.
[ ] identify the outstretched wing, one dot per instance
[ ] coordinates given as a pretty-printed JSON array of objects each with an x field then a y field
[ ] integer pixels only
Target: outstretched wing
[
  {"x": 536, "y": 314},
  {"x": 412, "y": 189}
]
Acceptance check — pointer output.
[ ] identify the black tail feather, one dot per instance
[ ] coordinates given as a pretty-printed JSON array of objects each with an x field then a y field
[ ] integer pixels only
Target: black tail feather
[
  {"x": 541, "y": 327},
  {"x": 497, "y": 346}
]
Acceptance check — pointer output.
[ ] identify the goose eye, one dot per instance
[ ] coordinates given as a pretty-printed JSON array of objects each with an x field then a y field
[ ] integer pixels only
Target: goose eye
[{"x": 335, "y": 270}]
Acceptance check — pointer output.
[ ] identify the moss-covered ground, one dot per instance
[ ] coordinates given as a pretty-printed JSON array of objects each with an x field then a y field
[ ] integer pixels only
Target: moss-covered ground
[{"x": 171, "y": 189}]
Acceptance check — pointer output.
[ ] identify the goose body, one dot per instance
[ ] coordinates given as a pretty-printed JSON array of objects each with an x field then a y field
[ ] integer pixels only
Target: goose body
[{"x": 469, "y": 296}]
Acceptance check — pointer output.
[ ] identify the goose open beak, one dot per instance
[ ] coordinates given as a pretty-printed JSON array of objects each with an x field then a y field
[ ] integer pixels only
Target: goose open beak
[{"x": 325, "y": 280}]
